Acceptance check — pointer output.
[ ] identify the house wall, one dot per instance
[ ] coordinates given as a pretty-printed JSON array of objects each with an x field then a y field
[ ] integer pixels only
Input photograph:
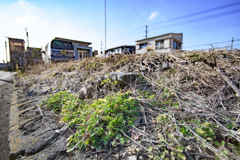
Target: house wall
[
  {"x": 177, "y": 37},
  {"x": 171, "y": 43},
  {"x": 121, "y": 50},
  {"x": 77, "y": 46},
  {"x": 166, "y": 50},
  {"x": 167, "y": 43},
  {"x": 151, "y": 43},
  {"x": 154, "y": 39}
]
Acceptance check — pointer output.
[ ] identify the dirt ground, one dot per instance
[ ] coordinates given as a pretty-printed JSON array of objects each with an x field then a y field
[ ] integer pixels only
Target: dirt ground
[{"x": 5, "y": 103}]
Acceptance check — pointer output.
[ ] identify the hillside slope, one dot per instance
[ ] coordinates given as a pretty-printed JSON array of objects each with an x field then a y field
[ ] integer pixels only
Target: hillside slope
[{"x": 182, "y": 105}]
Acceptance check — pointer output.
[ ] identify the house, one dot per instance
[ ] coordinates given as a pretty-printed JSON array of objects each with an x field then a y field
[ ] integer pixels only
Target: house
[
  {"x": 94, "y": 53},
  {"x": 81, "y": 48},
  {"x": 160, "y": 44},
  {"x": 124, "y": 49},
  {"x": 16, "y": 51}
]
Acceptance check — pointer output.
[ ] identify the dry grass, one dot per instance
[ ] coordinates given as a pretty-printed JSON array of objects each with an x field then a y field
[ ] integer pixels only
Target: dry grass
[{"x": 189, "y": 110}]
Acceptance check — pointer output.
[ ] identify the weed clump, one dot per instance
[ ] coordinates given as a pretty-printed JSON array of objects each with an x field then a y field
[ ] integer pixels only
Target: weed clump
[{"x": 98, "y": 123}]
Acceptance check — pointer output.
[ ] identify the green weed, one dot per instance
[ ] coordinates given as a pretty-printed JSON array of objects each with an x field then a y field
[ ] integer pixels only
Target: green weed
[{"x": 98, "y": 123}]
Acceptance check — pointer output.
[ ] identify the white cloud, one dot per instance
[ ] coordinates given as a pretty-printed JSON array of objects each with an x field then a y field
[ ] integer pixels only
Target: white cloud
[
  {"x": 43, "y": 25},
  {"x": 24, "y": 20},
  {"x": 22, "y": 4},
  {"x": 153, "y": 15}
]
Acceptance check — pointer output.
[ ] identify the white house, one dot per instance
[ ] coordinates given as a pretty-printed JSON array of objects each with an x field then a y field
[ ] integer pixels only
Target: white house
[
  {"x": 160, "y": 44},
  {"x": 124, "y": 49}
]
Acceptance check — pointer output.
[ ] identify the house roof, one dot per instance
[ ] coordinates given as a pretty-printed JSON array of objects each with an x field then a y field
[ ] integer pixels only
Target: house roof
[
  {"x": 16, "y": 39},
  {"x": 72, "y": 40},
  {"x": 122, "y": 46},
  {"x": 160, "y": 36}
]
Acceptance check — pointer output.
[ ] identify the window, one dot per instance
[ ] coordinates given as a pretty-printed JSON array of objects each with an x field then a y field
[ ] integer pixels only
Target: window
[
  {"x": 144, "y": 45},
  {"x": 160, "y": 44},
  {"x": 56, "y": 44},
  {"x": 84, "y": 54},
  {"x": 176, "y": 45}
]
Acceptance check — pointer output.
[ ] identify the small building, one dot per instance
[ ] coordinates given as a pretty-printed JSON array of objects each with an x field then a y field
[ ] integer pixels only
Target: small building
[
  {"x": 124, "y": 49},
  {"x": 94, "y": 53},
  {"x": 81, "y": 48},
  {"x": 16, "y": 51},
  {"x": 160, "y": 44},
  {"x": 62, "y": 49}
]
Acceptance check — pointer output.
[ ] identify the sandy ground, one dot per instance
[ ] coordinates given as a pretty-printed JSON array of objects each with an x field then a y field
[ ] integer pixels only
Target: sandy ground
[{"x": 5, "y": 103}]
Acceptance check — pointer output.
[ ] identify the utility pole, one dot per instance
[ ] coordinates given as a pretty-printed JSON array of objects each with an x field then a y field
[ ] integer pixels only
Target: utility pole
[
  {"x": 6, "y": 51},
  {"x": 27, "y": 52},
  {"x": 105, "y": 28},
  {"x": 146, "y": 31},
  {"x": 101, "y": 47},
  {"x": 232, "y": 44},
  {"x": 27, "y": 37}
]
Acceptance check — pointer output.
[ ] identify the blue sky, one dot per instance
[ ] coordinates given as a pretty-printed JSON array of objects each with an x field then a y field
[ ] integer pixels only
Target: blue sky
[{"x": 126, "y": 21}]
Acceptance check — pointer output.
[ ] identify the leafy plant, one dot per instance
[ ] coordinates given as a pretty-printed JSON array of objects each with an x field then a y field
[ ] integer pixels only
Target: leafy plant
[
  {"x": 56, "y": 101},
  {"x": 206, "y": 130},
  {"x": 98, "y": 123}
]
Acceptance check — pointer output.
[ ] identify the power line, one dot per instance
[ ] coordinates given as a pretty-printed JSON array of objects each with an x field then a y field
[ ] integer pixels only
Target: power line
[
  {"x": 213, "y": 28},
  {"x": 201, "y": 12},
  {"x": 134, "y": 29},
  {"x": 236, "y": 45},
  {"x": 135, "y": 10},
  {"x": 201, "y": 18},
  {"x": 211, "y": 43},
  {"x": 190, "y": 15},
  {"x": 136, "y": 37},
  {"x": 40, "y": 42},
  {"x": 183, "y": 23},
  {"x": 219, "y": 26},
  {"x": 127, "y": 33}
]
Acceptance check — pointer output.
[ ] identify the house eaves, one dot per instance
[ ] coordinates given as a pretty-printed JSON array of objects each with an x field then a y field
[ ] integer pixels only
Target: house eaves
[
  {"x": 160, "y": 36},
  {"x": 16, "y": 39},
  {"x": 121, "y": 46},
  {"x": 71, "y": 40}
]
